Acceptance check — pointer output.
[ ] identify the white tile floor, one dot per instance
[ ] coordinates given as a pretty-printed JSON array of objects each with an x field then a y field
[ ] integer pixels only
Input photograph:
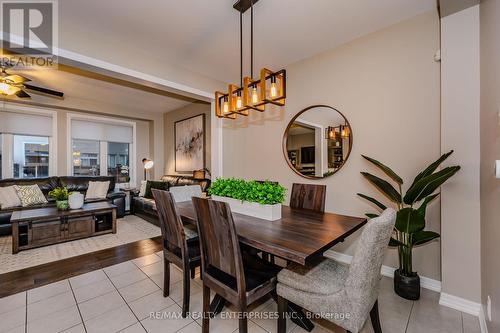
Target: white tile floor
[{"x": 122, "y": 297}]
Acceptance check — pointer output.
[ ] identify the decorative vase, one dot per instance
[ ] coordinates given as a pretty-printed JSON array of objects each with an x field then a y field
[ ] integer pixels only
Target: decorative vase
[
  {"x": 62, "y": 204},
  {"x": 76, "y": 200},
  {"x": 407, "y": 287}
]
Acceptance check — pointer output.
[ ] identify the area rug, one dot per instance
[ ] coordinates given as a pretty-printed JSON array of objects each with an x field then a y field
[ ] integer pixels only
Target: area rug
[{"x": 129, "y": 229}]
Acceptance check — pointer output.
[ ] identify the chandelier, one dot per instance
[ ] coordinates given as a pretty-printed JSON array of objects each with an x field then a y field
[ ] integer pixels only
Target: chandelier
[{"x": 250, "y": 94}]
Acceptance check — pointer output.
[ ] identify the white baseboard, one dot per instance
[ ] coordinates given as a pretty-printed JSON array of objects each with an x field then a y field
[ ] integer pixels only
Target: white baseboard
[
  {"x": 482, "y": 320},
  {"x": 460, "y": 304},
  {"x": 425, "y": 282}
]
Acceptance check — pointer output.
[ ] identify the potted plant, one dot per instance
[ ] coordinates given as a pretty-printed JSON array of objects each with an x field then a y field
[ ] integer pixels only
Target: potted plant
[
  {"x": 60, "y": 195},
  {"x": 259, "y": 199},
  {"x": 410, "y": 221}
]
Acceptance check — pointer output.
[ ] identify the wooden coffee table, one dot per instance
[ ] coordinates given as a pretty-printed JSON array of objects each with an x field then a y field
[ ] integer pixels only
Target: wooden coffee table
[{"x": 45, "y": 226}]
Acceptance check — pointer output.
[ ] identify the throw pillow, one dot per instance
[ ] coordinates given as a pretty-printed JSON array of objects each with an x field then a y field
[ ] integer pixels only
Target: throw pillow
[
  {"x": 9, "y": 197},
  {"x": 30, "y": 195},
  {"x": 97, "y": 190},
  {"x": 142, "y": 189},
  {"x": 159, "y": 185}
]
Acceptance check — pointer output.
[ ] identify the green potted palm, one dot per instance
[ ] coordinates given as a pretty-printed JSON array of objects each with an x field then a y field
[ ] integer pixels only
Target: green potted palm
[
  {"x": 410, "y": 221},
  {"x": 60, "y": 195}
]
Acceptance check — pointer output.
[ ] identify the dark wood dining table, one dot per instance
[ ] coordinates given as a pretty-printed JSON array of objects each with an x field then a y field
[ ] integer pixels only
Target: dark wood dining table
[{"x": 299, "y": 236}]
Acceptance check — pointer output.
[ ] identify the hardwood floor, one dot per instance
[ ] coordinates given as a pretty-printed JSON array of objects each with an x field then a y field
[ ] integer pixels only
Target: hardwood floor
[{"x": 37, "y": 276}]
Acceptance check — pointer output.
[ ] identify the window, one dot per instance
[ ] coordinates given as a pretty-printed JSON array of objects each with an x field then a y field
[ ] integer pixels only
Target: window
[
  {"x": 102, "y": 146},
  {"x": 86, "y": 158},
  {"x": 118, "y": 161},
  {"x": 25, "y": 143},
  {"x": 31, "y": 156}
]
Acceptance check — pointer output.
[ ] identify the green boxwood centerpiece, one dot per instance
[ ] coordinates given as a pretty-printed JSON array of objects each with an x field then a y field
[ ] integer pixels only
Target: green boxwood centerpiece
[{"x": 265, "y": 193}]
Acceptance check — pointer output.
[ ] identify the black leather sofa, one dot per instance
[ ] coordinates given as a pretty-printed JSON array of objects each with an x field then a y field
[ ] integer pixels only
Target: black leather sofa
[
  {"x": 146, "y": 208},
  {"x": 73, "y": 183}
]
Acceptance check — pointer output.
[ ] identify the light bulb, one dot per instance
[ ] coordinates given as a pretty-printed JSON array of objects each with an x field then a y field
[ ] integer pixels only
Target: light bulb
[
  {"x": 255, "y": 95},
  {"x": 7, "y": 89},
  {"x": 273, "y": 91},
  {"x": 225, "y": 106},
  {"x": 239, "y": 102}
]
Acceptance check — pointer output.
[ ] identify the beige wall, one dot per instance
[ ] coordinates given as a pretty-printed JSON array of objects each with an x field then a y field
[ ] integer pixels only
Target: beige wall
[
  {"x": 460, "y": 206},
  {"x": 387, "y": 86},
  {"x": 490, "y": 151},
  {"x": 170, "y": 118}
]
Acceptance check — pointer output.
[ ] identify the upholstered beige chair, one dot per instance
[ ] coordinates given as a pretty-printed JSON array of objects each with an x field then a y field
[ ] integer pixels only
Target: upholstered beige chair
[
  {"x": 342, "y": 294},
  {"x": 185, "y": 193}
]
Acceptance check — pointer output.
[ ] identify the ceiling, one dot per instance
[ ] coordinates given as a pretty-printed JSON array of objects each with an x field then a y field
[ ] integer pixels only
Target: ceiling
[
  {"x": 202, "y": 36},
  {"x": 98, "y": 94}
]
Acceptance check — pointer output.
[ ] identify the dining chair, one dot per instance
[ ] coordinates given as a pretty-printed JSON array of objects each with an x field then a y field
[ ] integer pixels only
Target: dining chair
[
  {"x": 178, "y": 249},
  {"x": 308, "y": 196},
  {"x": 185, "y": 193},
  {"x": 239, "y": 278},
  {"x": 304, "y": 196},
  {"x": 342, "y": 294}
]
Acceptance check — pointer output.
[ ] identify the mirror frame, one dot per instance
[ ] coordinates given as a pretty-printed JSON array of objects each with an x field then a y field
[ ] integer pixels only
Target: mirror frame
[{"x": 285, "y": 139}]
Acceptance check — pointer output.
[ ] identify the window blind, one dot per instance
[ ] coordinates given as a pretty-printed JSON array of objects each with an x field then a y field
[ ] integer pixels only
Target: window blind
[
  {"x": 25, "y": 123},
  {"x": 92, "y": 130}
]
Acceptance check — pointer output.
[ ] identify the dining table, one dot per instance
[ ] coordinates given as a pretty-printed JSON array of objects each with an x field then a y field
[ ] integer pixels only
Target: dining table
[{"x": 299, "y": 236}]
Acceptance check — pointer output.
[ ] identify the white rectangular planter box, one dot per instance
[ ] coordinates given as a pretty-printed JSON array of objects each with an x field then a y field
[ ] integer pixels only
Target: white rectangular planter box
[{"x": 266, "y": 212}]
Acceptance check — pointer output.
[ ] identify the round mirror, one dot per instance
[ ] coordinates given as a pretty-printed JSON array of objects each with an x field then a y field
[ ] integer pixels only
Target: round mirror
[{"x": 317, "y": 142}]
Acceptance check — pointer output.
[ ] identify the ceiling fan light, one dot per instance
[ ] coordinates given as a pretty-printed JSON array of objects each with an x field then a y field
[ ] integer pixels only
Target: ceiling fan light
[{"x": 9, "y": 90}]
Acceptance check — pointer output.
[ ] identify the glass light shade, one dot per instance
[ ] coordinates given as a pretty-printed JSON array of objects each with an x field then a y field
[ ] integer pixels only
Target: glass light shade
[
  {"x": 7, "y": 89},
  {"x": 255, "y": 95},
  {"x": 273, "y": 89},
  {"x": 148, "y": 164},
  {"x": 239, "y": 102}
]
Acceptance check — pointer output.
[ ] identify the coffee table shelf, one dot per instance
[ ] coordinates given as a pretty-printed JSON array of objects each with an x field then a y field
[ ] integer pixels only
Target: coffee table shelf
[{"x": 37, "y": 227}]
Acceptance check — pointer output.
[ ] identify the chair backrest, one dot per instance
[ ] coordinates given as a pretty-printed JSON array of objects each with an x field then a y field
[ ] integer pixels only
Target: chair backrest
[
  {"x": 185, "y": 193},
  {"x": 364, "y": 271},
  {"x": 219, "y": 242},
  {"x": 172, "y": 230},
  {"x": 308, "y": 196}
]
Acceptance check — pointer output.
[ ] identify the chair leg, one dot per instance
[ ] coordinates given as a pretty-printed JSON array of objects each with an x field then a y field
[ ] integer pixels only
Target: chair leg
[
  {"x": 374, "y": 315},
  {"x": 282, "y": 309},
  {"x": 186, "y": 291},
  {"x": 166, "y": 277},
  {"x": 193, "y": 272},
  {"x": 206, "y": 310},
  {"x": 243, "y": 322}
]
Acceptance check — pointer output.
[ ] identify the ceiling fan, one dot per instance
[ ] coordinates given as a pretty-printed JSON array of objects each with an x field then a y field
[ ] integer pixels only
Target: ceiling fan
[{"x": 14, "y": 84}]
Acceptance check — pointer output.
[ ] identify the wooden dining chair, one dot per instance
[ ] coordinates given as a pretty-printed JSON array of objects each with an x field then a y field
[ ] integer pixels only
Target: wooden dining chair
[
  {"x": 304, "y": 196},
  {"x": 239, "y": 279},
  {"x": 308, "y": 196},
  {"x": 177, "y": 248}
]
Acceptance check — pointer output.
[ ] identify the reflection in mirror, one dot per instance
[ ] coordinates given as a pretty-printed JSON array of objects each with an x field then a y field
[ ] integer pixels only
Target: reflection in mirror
[{"x": 317, "y": 142}]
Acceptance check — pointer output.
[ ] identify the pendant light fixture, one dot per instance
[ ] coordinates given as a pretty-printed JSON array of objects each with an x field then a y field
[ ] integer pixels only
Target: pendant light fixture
[{"x": 251, "y": 94}]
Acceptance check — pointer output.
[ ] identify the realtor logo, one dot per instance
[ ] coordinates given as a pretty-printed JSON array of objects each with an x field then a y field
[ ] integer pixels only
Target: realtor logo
[{"x": 30, "y": 27}]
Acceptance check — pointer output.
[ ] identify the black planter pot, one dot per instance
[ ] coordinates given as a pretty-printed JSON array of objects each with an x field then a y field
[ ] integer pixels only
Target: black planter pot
[{"x": 407, "y": 287}]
